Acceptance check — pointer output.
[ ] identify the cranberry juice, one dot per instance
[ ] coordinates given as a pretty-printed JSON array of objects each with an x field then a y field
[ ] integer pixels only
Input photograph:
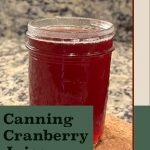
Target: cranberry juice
[
  {"x": 69, "y": 64},
  {"x": 71, "y": 74}
]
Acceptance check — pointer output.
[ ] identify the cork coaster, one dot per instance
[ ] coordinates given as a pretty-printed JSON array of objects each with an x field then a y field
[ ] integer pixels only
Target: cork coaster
[{"x": 117, "y": 135}]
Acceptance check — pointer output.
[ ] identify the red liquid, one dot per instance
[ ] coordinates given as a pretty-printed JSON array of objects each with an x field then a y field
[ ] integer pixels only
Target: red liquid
[{"x": 71, "y": 74}]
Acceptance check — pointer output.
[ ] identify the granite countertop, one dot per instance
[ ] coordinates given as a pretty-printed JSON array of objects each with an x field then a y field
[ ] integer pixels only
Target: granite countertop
[
  {"x": 14, "y": 16},
  {"x": 14, "y": 77}
]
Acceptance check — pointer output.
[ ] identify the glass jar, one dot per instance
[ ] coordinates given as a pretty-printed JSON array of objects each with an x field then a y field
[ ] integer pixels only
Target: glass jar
[{"x": 69, "y": 63}]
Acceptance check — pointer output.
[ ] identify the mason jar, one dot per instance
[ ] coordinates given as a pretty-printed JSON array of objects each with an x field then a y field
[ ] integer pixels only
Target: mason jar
[{"x": 69, "y": 64}]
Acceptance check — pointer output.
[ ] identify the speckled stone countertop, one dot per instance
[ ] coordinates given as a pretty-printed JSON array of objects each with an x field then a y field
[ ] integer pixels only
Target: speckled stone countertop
[{"x": 14, "y": 77}]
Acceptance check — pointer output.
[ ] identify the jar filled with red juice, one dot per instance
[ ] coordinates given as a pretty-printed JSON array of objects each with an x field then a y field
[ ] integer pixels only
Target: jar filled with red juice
[{"x": 69, "y": 64}]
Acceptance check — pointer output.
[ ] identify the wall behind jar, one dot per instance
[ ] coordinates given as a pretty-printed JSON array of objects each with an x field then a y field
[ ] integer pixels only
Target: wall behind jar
[{"x": 14, "y": 14}]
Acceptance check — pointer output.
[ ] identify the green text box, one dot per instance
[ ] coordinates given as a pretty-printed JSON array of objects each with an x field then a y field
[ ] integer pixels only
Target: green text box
[
  {"x": 59, "y": 127},
  {"x": 142, "y": 127}
]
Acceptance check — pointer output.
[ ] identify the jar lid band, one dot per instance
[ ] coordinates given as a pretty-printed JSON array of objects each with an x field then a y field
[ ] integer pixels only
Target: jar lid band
[{"x": 70, "y": 29}]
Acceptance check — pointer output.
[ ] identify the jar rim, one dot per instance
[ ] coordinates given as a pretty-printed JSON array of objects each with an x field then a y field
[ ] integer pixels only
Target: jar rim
[{"x": 70, "y": 29}]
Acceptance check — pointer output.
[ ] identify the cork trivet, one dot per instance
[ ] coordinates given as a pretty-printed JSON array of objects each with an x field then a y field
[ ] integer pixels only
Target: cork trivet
[{"x": 117, "y": 135}]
